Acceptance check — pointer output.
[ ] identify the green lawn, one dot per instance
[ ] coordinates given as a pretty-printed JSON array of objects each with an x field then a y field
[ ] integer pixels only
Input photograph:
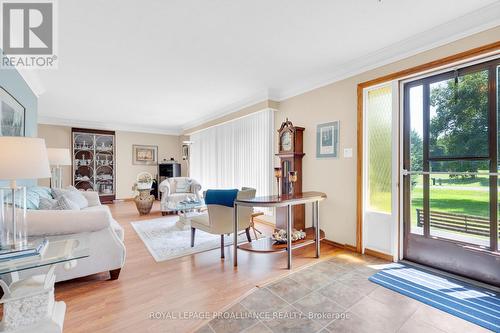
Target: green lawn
[
  {"x": 454, "y": 201},
  {"x": 443, "y": 199},
  {"x": 459, "y": 196},
  {"x": 460, "y": 201},
  {"x": 469, "y": 202},
  {"x": 445, "y": 180}
]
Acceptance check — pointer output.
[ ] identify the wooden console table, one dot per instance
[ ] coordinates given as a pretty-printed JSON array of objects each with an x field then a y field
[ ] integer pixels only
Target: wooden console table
[{"x": 266, "y": 245}]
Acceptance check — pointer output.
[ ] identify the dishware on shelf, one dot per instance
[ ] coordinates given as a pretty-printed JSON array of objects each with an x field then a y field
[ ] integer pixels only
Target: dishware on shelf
[{"x": 94, "y": 157}]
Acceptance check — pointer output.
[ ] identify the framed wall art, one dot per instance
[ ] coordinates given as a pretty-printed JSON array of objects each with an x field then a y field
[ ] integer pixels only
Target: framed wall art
[
  {"x": 12, "y": 115},
  {"x": 144, "y": 155},
  {"x": 327, "y": 140}
]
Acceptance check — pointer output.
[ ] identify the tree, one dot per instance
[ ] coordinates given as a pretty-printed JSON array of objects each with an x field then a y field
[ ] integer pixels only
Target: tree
[
  {"x": 459, "y": 120},
  {"x": 416, "y": 151},
  {"x": 416, "y": 154}
]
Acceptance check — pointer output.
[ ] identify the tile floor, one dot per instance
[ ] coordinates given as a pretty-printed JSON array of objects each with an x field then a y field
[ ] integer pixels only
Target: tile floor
[{"x": 334, "y": 296}]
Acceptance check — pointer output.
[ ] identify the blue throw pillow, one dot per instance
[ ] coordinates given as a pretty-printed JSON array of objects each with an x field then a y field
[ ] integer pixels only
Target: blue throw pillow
[
  {"x": 33, "y": 195},
  {"x": 221, "y": 197},
  {"x": 42, "y": 191}
]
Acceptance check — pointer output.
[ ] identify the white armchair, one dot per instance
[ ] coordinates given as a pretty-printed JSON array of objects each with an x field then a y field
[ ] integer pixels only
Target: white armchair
[
  {"x": 177, "y": 189},
  {"x": 219, "y": 219}
]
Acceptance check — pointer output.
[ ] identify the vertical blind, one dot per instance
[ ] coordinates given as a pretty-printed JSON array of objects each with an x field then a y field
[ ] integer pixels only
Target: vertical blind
[{"x": 235, "y": 154}]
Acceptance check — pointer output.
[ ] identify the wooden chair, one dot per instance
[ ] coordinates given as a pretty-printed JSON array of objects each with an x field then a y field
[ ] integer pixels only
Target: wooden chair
[{"x": 252, "y": 224}]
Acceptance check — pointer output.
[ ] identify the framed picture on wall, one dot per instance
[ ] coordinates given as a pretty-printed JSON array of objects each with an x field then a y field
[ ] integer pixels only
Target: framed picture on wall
[
  {"x": 327, "y": 140},
  {"x": 144, "y": 155},
  {"x": 12, "y": 115}
]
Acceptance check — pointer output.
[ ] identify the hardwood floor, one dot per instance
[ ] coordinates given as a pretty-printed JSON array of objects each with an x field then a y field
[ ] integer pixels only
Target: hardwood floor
[{"x": 200, "y": 282}]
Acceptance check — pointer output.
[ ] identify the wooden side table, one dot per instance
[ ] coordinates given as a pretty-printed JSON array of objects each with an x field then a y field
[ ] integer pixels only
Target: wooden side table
[{"x": 266, "y": 245}]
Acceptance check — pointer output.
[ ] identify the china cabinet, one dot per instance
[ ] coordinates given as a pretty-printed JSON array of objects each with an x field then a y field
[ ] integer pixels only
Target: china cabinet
[{"x": 94, "y": 162}]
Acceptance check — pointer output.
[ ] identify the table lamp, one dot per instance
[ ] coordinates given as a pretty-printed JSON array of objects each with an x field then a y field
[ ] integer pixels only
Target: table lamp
[
  {"x": 22, "y": 158},
  {"x": 58, "y": 157},
  {"x": 186, "y": 152}
]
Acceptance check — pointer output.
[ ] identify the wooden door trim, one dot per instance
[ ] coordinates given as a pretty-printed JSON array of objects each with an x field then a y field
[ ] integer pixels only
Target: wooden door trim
[{"x": 478, "y": 51}]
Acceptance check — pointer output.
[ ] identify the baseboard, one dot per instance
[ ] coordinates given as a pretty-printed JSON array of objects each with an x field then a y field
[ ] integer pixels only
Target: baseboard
[
  {"x": 378, "y": 254},
  {"x": 350, "y": 248},
  {"x": 342, "y": 246},
  {"x": 128, "y": 199},
  {"x": 262, "y": 221}
]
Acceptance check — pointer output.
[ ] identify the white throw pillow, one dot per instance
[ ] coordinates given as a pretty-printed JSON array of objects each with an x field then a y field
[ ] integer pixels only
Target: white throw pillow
[
  {"x": 63, "y": 203},
  {"x": 172, "y": 184},
  {"x": 72, "y": 194},
  {"x": 46, "y": 203},
  {"x": 182, "y": 186}
]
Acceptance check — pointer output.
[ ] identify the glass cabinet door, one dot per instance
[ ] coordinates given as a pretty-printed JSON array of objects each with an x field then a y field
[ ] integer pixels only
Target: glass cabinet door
[
  {"x": 94, "y": 162},
  {"x": 104, "y": 164}
]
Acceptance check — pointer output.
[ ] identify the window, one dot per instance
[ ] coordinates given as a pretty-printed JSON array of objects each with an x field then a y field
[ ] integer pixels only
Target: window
[
  {"x": 235, "y": 154},
  {"x": 379, "y": 148}
]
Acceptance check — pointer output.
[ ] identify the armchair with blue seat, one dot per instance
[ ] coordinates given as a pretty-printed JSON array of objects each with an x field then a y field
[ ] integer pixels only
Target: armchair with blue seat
[{"x": 219, "y": 220}]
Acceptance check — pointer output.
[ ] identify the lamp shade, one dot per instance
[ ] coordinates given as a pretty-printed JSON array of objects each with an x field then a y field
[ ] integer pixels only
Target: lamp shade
[
  {"x": 59, "y": 156},
  {"x": 23, "y": 158}
]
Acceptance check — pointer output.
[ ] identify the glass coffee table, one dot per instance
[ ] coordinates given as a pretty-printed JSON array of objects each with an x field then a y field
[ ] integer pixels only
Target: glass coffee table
[
  {"x": 186, "y": 210},
  {"x": 28, "y": 303}
]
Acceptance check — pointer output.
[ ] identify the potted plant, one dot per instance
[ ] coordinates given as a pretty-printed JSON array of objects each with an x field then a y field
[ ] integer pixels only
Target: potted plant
[{"x": 144, "y": 200}]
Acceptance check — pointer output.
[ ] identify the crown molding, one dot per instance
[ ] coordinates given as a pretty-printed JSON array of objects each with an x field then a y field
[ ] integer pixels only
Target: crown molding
[
  {"x": 194, "y": 130},
  {"x": 485, "y": 18},
  {"x": 108, "y": 126},
  {"x": 232, "y": 108}
]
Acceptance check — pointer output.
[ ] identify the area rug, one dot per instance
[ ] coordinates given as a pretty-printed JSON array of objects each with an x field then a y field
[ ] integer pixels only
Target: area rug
[
  {"x": 478, "y": 305},
  {"x": 165, "y": 240}
]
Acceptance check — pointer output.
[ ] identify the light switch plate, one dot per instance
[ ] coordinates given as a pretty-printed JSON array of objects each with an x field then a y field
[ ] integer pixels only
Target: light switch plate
[{"x": 347, "y": 152}]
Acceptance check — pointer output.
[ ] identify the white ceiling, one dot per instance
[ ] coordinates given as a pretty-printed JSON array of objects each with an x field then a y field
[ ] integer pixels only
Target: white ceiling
[{"x": 163, "y": 66}]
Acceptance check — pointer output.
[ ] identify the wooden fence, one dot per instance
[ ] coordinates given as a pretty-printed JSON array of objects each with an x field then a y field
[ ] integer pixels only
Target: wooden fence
[{"x": 475, "y": 225}]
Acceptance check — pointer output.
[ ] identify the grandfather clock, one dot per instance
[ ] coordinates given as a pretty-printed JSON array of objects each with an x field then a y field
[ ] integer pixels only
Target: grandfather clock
[{"x": 291, "y": 154}]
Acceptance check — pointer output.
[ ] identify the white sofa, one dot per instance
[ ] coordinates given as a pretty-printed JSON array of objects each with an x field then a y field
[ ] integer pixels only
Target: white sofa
[
  {"x": 170, "y": 193},
  {"x": 107, "y": 250}
]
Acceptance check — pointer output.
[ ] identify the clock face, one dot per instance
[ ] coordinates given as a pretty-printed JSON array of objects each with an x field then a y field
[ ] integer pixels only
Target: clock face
[{"x": 286, "y": 141}]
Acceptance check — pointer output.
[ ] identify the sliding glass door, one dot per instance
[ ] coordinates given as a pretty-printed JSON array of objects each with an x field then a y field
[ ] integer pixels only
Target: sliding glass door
[{"x": 451, "y": 171}]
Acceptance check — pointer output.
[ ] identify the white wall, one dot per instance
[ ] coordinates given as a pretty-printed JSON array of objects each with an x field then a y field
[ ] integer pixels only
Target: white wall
[
  {"x": 126, "y": 172},
  {"x": 56, "y": 137}
]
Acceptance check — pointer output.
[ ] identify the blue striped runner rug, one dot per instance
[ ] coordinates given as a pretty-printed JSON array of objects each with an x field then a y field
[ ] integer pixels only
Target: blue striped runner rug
[{"x": 478, "y": 305}]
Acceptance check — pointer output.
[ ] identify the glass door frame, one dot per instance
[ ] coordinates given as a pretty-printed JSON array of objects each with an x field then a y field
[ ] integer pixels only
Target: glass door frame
[{"x": 422, "y": 248}]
